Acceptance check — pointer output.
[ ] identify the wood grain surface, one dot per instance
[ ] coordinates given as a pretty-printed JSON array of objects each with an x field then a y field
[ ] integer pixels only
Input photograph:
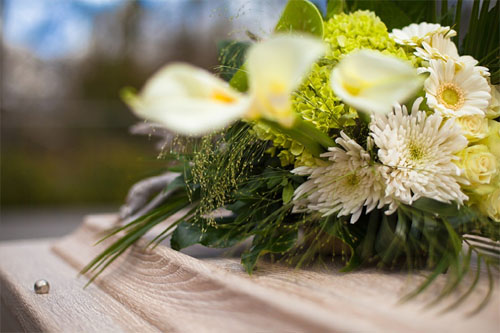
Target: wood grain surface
[
  {"x": 68, "y": 307},
  {"x": 164, "y": 290}
]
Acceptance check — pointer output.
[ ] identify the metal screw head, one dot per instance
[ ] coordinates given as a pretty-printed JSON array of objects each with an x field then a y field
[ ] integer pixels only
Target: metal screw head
[{"x": 42, "y": 287}]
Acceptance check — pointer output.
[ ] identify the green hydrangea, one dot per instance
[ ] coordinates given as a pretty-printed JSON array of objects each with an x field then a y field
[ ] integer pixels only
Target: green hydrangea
[{"x": 314, "y": 101}]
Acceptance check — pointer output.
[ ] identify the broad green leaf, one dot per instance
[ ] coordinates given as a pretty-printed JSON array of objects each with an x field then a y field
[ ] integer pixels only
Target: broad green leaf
[
  {"x": 176, "y": 184},
  {"x": 186, "y": 234},
  {"x": 231, "y": 57},
  {"x": 436, "y": 207},
  {"x": 287, "y": 193},
  {"x": 222, "y": 236},
  {"x": 239, "y": 80},
  {"x": 301, "y": 16},
  {"x": 334, "y": 7}
]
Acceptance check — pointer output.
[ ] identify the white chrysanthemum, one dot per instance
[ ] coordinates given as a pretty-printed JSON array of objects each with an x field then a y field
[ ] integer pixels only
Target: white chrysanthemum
[
  {"x": 344, "y": 185},
  {"x": 415, "y": 34},
  {"x": 456, "y": 93},
  {"x": 418, "y": 153}
]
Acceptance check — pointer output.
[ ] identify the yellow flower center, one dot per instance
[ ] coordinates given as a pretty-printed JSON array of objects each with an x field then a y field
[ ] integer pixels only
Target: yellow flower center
[
  {"x": 416, "y": 39},
  {"x": 416, "y": 152},
  {"x": 222, "y": 96},
  {"x": 352, "y": 179},
  {"x": 352, "y": 89},
  {"x": 451, "y": 96}
]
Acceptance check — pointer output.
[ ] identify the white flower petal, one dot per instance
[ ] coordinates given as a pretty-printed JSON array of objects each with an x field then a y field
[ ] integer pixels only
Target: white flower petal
[
  {"x": 415, "y": 34},
  {"x": 344, "y": 185},
  {"x": 373, "y": 82},
  {"x": 188, "y": 100},
  {"x": 275, "y": 68},
  {"x": 418, "y": 152},
  {"x": 470, "y": 90},
  {"x": 438, "y": 47}
]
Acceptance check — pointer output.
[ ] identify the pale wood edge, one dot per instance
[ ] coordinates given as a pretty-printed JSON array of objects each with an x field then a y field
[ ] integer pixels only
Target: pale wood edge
[
  {"x": 289, "y": 311},
  {"x": 67, "y": 307},
  {"x": 239, "y": 303}
]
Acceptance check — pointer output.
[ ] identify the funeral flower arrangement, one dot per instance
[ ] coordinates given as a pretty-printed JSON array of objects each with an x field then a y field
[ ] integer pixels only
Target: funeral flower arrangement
[{"x": 335, "y": 136}]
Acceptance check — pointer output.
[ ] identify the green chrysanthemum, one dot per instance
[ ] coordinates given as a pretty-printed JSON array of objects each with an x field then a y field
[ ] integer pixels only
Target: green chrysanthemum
[{"x": 314, "y": 101}]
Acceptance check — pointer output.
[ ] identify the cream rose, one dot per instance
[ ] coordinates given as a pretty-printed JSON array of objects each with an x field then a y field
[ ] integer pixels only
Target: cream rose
[
  {"x": 491, "y": 205},
  {"x": 492, "y": 141},
  {"x": 474, "y": 127},
  {"x": 493, "y": 110},
  {"x": 479, "y": 165}
]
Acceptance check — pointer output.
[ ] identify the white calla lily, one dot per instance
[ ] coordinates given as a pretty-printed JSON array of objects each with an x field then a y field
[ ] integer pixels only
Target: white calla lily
[
  {"x": 192, "y": 101},
  {"x": 276, "y": 68},
  {"x": 373, "y": 82},
  {"x": 188, "y": 100}
]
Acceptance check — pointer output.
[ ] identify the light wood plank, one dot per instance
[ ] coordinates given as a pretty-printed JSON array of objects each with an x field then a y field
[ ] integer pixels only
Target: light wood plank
[
  {"x": 68, "y": 307},
  {"x": 175, "y": 292}
]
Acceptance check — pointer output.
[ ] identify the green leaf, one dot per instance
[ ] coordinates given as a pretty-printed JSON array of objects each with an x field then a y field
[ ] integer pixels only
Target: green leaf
[
  {"x": 277, "y": 241},
  {"x": 315, "y": 141},
  {"x": 301, "y": 16},
  {"x": 436, "y": 207},
  {"x": 249, "y": 258},
  {"x": 140, "y": 227},
  {"x": 222, "y": 236},
  {"x": 334, "y": 7},
  {"x": 340, "y": 229},
  {"x": 176, "y": 184},
  {"x": 366, "y": 247},
  {"x": 239, "y": 80},
  {"x": 186, "y": 234},
  {"x": 391, "y": 237},
  {"x": 287, "y": 193},
  {"x": 231, "y": 57}
]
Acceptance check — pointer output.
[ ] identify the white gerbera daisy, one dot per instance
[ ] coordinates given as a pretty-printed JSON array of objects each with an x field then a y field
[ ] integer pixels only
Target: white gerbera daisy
[
  {"x": 437, "y": 47},
  {"x": 344, "y": 185},
  {"x": 440, "y": 47},
  {"x": 418, "y": 153},
  {"x": 470, "y": 61},
  {"x": 456, "y": 93},
  {"x": 415, "y": 34}
]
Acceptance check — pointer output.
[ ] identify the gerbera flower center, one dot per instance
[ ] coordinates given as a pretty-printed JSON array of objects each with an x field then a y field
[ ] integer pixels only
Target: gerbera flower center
[{"x": 451, "y": 96}]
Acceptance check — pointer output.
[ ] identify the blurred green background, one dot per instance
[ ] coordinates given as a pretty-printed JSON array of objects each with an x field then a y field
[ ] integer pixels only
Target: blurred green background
[{"x": 64, "y": 131}]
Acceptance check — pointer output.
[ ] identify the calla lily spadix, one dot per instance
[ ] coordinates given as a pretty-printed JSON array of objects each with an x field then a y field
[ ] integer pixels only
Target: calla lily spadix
[
  {"x": 192, "y": 101},
  {"x": 373, "y": 82}
]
